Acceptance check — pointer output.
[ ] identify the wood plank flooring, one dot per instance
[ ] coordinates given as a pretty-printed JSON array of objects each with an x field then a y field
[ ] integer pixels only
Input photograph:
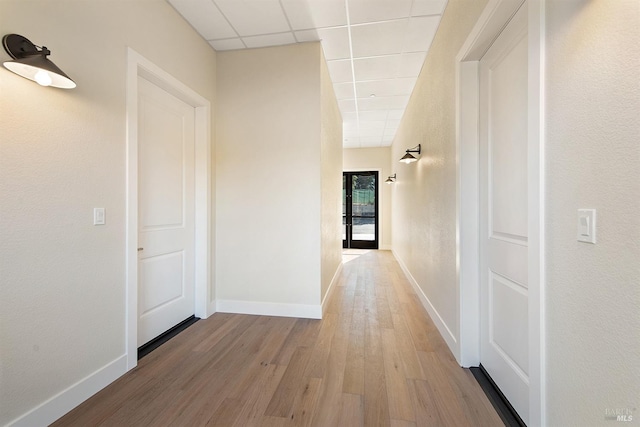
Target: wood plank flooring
[{"x": 376, "y": 359}]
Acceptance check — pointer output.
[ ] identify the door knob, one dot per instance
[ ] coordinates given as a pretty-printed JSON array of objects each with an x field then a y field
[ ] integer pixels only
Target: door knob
[{"x": 140, "y": 249}]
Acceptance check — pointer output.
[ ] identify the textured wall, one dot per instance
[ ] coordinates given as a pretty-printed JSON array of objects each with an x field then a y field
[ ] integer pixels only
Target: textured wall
[
  {"x": 593, "y": 161},
  {"x": 62, "y": 153},
  {"x": 268, "y": 175},
  {"x": 359, "y": 159},
  {"x": 424, "y": 201},
  {"x": 331, "y": 180}
]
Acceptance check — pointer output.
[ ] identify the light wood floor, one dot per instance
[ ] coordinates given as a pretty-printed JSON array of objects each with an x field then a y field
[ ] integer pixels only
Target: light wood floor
[{"x": 376, "y": 359}]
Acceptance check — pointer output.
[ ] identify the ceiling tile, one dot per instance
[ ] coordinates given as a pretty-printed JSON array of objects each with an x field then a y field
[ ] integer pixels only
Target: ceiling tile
[
  {"x": 269, "y": 40},
  {"x": 307, "y": 36},
  {"x": 335, "y": 41},
  {"x": 350, "y": 133},
  {"x": 370, "y": 133},
  {"x": 389, "y": 133},
  {"x": 390, "y": 87},
  {"x": 343, "y": 90},
  {"x": 254, "y": 17},
  {"x": 382, "y": 38},
  {"x": 392, "y": 124},
  {"x": 349, "y": 117},
  {"x": 349, "y": 126},
  {"x": 382, "y": 67},
  {"x": 351, "y": 143},
  {"x": 373, "y": 124},
  {"x": 371, "y": 141},
  {"x": 315, "y": 13},
  {"x": 228, "y": 44},
  {"x": 420, "y": 33},
  {"x": 383, "y": 103},
  {"x": 411, "y": 64},
  {"x": 205, "y": 17},
  {"x": 340, "y": 71},
  {"x": 378, "y": 10},
  {"x": 395, "y": 114},
  {"x": 347, "y": 105},
  {"x": 428, "y": 7},
  {"x": 373, "y": 115}
]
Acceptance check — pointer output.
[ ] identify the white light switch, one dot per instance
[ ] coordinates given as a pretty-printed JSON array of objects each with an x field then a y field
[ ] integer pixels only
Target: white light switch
[
  {"x": 587, "y": 225},
  {"x": 98, "y": 216}
]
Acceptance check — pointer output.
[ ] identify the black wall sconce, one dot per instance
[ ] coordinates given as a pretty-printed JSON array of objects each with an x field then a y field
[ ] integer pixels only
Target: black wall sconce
[
  {"x": 410, "y": 158},
  {"x": 30, "y": 61},
  {"x": 391, "y": 179}
]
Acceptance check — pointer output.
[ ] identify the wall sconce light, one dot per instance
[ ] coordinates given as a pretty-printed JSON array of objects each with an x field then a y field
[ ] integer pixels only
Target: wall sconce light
[
  {"x": 408, "y": 157},
  {"x": 391, "y": 179},
  {"x": 30, "y": 61}
]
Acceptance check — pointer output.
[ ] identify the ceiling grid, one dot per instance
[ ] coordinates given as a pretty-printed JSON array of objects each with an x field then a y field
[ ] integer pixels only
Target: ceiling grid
[{"x": 374, "y": 48}]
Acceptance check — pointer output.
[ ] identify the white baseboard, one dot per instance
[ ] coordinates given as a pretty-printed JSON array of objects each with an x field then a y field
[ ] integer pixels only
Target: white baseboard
[
  {"x": 332, "y": 286},
  {"x": 444, "y": 330},
  {"x": 385, "y": 247},
  {"x": 63, "y": 402},
  {"x": 307, "y": 311}
]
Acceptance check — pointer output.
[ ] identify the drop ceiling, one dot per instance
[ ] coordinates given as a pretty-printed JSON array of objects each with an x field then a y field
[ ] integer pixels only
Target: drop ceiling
[{"x": 374, "y": 48}]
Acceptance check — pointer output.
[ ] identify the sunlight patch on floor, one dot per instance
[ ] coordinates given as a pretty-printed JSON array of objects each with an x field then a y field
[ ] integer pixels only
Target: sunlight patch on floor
[{"x": 351, "y": 254}]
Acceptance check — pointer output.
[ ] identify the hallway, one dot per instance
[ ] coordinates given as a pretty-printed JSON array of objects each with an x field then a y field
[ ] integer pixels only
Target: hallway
[{"x": 376, "y": 359}]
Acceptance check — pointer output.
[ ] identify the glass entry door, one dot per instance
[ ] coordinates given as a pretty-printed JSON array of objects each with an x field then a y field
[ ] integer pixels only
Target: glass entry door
[{"x": 360, "y": 210}]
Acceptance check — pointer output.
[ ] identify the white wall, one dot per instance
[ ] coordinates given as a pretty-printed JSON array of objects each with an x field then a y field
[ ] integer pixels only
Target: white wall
[
  {"x": 424, "y": 198},
  {"x": 379, "y": 158},
  {"x": 62, "y": 153},
  {"x": 269, "y": 180},
  {"x": 593, "y": 161},
  {"x": 331, "y": 180}
]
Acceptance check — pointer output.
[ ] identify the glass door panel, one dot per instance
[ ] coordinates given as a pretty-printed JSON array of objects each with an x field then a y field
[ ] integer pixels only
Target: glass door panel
[{"x": 360, "y": 210}]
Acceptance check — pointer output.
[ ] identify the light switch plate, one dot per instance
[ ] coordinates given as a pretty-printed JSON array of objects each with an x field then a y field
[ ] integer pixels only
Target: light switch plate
[
  {"x": 587, "y": 225},
  {"x": 99, "y": 216}
]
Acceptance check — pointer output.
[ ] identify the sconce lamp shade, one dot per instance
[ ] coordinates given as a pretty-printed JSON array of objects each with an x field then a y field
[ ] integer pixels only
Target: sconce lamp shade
[
  {"x": 410, "y": 158},
  {"x": 32, "y": 63},
  {"x": 391, "y": 179}
]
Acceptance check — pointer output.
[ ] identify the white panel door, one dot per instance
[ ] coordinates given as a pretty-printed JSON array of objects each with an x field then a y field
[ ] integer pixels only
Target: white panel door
[
  {"x": 503, "y": 213},
  {"x": 166, "y": 180}
]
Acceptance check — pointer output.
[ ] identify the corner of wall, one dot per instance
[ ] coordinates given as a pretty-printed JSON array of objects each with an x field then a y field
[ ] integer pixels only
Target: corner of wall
[
  {"x": 332, "y": 287},
  {"x": 331, "y": 181}
]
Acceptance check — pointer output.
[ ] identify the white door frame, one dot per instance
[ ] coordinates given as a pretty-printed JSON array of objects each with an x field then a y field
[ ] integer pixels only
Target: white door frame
[
  {"x": 493, "y": 19},
  {"x": 138, "y": 66}
]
